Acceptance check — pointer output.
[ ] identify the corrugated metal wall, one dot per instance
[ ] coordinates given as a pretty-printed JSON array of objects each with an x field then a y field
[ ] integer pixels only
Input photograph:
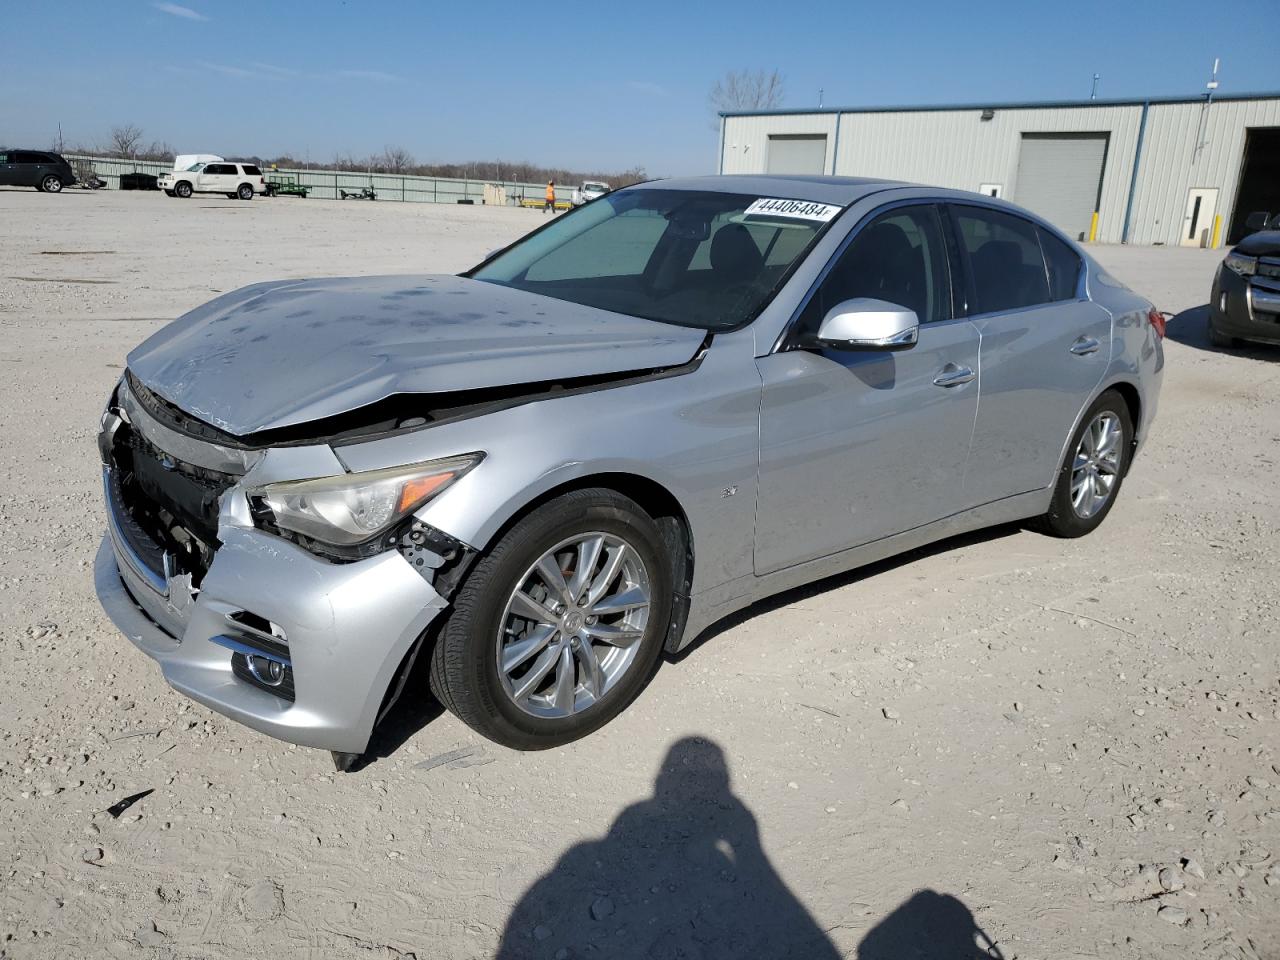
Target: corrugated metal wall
[
  {"x": 956, "y": 148},
  {"x": 1171, "y": 164},
  {"x": 746, "y": 140}
]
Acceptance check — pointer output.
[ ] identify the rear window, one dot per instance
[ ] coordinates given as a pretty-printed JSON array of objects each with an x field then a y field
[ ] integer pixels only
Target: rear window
[
  {"x": 1063, "y": 265},
  {"x": 1006, "y": 266},
  {"x": 251, "y": 170}
]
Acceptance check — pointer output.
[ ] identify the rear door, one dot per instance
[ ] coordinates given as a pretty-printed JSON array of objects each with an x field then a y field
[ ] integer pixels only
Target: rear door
[
  {"x": 217, "y": 178},
  {"x": 1045, "y": 347},
  {"x": 26, "y": 168},
  {"x": 856, "y": 445}
]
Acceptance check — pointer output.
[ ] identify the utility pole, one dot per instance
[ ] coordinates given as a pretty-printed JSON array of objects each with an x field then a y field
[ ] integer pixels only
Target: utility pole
[
  {"x": 821, "y": 91},
  {"x": 1209, "y": 87},
  {"x": 1093, "y": 94}
]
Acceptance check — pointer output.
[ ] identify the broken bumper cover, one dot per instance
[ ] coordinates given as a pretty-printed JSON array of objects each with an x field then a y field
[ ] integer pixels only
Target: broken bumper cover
[{"x": 348, "y": 627}]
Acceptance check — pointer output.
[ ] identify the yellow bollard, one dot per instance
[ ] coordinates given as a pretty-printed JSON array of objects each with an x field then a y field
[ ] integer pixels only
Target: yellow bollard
[
  {"x": 1093, "y": 227},
  {"x": 1217, "y": 229}
]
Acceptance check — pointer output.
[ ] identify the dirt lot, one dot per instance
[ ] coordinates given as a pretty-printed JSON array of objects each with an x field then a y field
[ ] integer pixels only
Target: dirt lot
[{"x": 1066, "y": 749}]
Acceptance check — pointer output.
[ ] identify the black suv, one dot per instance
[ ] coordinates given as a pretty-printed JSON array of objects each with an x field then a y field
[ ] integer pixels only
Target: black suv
[{"x": 47, "y": 172}]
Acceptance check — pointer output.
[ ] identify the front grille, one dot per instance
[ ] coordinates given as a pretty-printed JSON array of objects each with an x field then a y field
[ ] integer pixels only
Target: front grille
[{"x": 163, "y": 505}]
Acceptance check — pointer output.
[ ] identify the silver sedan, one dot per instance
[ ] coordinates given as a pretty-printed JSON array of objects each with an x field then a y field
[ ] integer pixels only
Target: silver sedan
[{"x": 539, "y": 475}]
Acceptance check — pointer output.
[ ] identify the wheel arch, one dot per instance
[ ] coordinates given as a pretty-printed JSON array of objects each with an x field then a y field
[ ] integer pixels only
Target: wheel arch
[
  {"x": 1132, "y": 397},
  {"x": 657, "y": 500}
]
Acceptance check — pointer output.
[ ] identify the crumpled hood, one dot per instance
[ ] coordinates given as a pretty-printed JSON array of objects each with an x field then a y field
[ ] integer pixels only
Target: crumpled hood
[
  {"x": 1264, "y": 243},
  {"x": 284, "y": 353}
]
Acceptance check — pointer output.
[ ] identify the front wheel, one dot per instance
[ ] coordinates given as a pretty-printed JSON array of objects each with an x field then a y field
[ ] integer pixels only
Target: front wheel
[
  {"x": 558, "y": 627},
  {"x": 1220, "y": 340},
  {"x": 183, "y": 190},
  {"x": 1093, "y": 470},
  {"x": 245, "y": 192}
]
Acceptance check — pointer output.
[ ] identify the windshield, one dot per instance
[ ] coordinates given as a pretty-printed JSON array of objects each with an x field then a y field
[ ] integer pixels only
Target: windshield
[
  {"x": 595, "y": 187},
  {"x": 697, "y": 259}
]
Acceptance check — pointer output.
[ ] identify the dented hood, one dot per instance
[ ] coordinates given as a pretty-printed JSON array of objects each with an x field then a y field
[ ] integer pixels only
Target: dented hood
[{"x": 284, "y": 353}]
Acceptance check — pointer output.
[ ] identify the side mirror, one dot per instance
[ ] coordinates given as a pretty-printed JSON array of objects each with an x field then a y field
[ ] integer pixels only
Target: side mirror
[
  {"x": 866, "y": 324},
  {"x": 1256, "y": 221}
]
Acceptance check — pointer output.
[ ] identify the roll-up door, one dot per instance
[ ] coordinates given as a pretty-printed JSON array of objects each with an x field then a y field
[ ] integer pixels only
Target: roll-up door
[
  {"x": 1060, "y": 178},
  {"x": 802, "y": 153}
]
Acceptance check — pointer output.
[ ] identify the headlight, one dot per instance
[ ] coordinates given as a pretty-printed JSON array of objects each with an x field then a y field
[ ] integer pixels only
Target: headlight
[
  {"x": 1239, "y": 263},
  {"x": 355, "y": 508}
]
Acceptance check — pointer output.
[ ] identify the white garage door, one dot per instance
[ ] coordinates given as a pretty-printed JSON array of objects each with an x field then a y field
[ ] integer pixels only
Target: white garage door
[
  {"x": 797, "y": 154},
  {"x": 1060, "y": 177}
]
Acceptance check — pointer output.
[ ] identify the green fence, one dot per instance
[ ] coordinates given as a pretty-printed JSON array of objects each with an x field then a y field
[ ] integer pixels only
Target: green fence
[{"x": 329, "y": 184}]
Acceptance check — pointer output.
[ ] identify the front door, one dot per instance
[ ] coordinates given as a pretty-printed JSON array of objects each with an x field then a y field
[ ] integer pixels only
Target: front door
[
  {"x": 1197, "y": 222},
  {"x": 860, "y": 445}
]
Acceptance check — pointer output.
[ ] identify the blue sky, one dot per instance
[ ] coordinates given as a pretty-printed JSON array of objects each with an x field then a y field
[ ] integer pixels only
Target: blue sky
[{"x": 579, "y": 85}]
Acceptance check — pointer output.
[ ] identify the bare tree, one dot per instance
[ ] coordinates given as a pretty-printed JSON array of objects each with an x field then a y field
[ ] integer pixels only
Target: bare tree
[
  {"x": 746, "y": 90},
  {"x": 396, "y": 160},
  {"x": 126, "y": 140}
]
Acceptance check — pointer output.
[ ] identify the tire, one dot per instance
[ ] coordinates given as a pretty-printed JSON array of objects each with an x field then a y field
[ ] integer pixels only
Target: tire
[
  {"x": 183, "y": 189},
  {"x": 1065, "y": 518},
  {"x": 1220, "y": 340},
  {"x": 51, "y": 184},
  {"x": 465, "y": 674},
  {"x": 245, "y": 192}
]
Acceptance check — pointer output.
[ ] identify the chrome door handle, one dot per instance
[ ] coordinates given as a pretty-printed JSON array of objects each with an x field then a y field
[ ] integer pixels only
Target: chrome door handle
[
  {"x": 953, "y": 376},
  {"x": 1085, "y": 346}
]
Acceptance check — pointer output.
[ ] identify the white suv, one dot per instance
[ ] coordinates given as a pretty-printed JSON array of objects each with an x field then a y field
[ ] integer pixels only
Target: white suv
[
  {"x": 241, "y": 180},
  {"x": 590, "y": 190}
]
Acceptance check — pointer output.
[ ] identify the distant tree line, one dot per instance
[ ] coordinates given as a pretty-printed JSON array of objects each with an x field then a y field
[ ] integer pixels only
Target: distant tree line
[{"x": 127, "y": 143}]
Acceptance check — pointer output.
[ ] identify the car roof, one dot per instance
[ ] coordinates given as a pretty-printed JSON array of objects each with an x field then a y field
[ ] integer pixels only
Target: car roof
[{"x": 841, "y": 191}]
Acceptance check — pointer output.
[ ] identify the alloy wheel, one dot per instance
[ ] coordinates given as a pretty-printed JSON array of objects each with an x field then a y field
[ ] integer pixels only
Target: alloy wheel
[
  {"x": 1097, "y": 464},
  {"x": 52, "y": 185},
  {"x": 573, "y": 625}
]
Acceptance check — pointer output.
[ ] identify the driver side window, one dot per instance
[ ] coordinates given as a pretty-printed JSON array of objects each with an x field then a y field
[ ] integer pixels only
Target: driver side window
[{"x": 899, "y": 257}]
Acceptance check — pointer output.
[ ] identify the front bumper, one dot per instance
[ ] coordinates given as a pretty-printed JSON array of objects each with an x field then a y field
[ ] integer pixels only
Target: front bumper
[
  {"x": 1245, "y": 308},
  {"x": 348, "y": 627}
]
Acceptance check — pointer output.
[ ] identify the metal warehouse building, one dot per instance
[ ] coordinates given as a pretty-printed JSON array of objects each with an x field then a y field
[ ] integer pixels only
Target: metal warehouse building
[{"x": 1163, "y": 170}]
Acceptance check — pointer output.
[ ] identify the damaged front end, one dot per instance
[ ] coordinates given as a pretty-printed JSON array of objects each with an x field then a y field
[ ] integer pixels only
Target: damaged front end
[{"x": 212, "y": 577}]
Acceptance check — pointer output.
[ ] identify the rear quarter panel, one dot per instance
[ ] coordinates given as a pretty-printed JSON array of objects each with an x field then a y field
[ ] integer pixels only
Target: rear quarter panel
[{"x": 1137, "y": 352}]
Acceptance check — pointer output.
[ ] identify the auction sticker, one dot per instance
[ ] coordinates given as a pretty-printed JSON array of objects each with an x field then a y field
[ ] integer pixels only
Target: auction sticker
[{"x": 794, "y": 209}]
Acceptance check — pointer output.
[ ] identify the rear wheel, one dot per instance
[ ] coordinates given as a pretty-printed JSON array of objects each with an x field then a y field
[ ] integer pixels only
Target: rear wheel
[
  {"x": 1091, "y": 475},
  {"x": 183, "y": 189},
  {"x": 51, "y": 184},
  {"x": 245, "y": 192},
  {"x": 558, "y": 627}
]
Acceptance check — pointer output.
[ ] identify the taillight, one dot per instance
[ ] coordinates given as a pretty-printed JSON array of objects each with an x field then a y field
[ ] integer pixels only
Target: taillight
[{"x": 1156, "y": 319}]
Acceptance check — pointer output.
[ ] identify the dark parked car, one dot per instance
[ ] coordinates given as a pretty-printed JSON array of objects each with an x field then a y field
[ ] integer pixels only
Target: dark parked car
[
  {"x": 1245, "y": 304},
  {"x": 47, "y": 172}
]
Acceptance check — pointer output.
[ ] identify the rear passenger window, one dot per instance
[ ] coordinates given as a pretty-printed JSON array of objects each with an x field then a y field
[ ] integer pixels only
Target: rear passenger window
[
  {"x": 1063, "y": 264},
  {"x": 252, "y": 171},
  {"x": 1006, "y": 268}
]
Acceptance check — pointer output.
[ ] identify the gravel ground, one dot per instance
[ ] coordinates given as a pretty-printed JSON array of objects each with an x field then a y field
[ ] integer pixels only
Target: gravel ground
[{"x": 1062, "y": 748}]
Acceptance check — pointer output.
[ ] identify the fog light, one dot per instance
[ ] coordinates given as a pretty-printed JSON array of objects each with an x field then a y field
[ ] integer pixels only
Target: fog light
[{"x": 270, "y": 672}]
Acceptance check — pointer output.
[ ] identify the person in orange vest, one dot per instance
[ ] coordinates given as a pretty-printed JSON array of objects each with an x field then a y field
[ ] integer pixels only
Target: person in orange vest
[{"x": 551, "y": 197}]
